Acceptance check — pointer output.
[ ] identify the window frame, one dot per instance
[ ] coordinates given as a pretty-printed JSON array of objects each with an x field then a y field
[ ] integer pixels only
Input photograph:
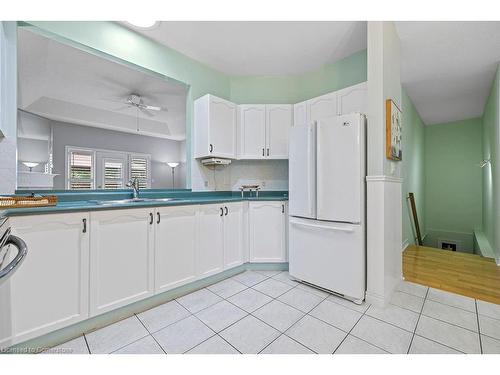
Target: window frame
[
  {"x": 94, "y": 151},
  {"x": 69, "y": 150}
]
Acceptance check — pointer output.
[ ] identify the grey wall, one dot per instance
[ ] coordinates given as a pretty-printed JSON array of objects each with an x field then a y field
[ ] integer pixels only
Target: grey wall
[{"x": 161, "y": 151}]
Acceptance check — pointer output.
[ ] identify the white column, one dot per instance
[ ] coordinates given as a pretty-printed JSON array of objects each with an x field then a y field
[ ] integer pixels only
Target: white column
[{"x": 384, "y": 210}]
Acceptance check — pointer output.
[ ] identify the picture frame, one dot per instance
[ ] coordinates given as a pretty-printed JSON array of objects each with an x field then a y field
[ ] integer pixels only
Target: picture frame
[{"x": 394, "y": 129}]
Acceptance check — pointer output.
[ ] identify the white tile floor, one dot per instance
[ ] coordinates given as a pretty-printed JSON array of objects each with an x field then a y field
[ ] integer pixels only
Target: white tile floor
[{"x": 268, "y": 312}]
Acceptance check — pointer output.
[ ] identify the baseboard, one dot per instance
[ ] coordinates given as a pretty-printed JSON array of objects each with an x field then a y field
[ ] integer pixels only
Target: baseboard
[
  {"x": 406, "y": 243},
  {"x": 65, "y": 334}
]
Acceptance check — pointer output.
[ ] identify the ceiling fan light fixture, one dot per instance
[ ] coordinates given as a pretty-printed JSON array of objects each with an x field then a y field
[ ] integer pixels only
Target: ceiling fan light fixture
[{"x": 144, "y": 24}]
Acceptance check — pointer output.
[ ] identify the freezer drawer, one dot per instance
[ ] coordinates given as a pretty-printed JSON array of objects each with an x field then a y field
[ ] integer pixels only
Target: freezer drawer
[{"x": 329, "y": 255}]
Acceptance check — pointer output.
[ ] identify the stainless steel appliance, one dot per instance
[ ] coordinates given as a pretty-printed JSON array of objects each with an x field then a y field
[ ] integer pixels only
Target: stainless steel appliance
[{"x": 13, "y": 251}]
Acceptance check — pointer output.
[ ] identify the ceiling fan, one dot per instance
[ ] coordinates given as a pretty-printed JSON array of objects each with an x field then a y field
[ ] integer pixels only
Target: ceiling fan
[{"x": 137, "y": 101}]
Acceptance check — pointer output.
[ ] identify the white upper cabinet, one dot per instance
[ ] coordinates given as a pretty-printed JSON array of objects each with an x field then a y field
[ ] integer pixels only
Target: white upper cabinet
[
  {"x": 263, "y": 131},
  {"x": 251, "y": 131},
  {"x": 214, "y": 128},
  {"x": 300, "y": 115},
  {"x": 175, "y": 246},
  {"x": 279, "y": 119},
  {"x": 121, "y": 257},
  {"x": 352, "y": 99},
  {"x": 322, "y": 106},
  {"x": 50, "y": 290},
  {"x": 267, "y": 232},
  {"x": 349, "y": 100}
]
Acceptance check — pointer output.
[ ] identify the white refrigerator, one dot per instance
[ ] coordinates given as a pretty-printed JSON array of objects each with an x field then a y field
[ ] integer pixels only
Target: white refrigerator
[{"x": 327, "y": 246}]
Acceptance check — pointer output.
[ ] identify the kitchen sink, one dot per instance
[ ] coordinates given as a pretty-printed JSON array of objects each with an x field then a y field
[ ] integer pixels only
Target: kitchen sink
[{"x": 133, "y": 200}]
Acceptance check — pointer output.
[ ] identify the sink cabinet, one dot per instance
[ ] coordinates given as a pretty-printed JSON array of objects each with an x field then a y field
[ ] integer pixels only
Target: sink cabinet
[
  {"x": 175, "y": 246},
  {"x": 121, "y": 257}
]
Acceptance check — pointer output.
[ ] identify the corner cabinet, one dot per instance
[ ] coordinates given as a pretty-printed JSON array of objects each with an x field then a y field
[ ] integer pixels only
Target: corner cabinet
[
  {"x": 51, "y": 288},
  {"x": 214, "y": 128},
  {"x": 175, "y": 246},
  {"x": 263, "y": 130},
  {"x": 121, "y": 257},
  {"x": 267, "y": 233}
]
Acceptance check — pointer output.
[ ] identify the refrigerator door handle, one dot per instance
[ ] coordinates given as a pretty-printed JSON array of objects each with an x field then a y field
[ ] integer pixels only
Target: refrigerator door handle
[{"x": 319, "y": 226}]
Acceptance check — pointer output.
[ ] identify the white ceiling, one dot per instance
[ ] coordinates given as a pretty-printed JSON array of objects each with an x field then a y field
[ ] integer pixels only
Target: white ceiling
[
  {"x": 447, "y": 68},
  {"x": 261, "y": 48},
  {"x": 63, "y": 83}
]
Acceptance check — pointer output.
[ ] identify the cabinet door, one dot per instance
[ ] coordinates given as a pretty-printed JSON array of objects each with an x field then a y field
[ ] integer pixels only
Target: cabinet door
[
  {"x": 251, "y": 131},
  {"x": 278, "y": 122},
  {"x": 210, "y": 258},
  {"x": 322, "y": 107},
  {"x": 267, "y": 232},
  {"x": 300, "y": 115},
  {"x": 352, "y": 99},
  {"x": 222, "y": 127},
  {"x": 233, "y": 235},
  {"x": 121, "y": 258},
  {"x": 175, "y": 247},
  {"x": 50, "y": 289}
]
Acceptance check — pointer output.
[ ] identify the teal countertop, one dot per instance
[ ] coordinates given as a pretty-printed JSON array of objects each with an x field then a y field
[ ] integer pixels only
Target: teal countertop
[{"x": 70, "y": 201}]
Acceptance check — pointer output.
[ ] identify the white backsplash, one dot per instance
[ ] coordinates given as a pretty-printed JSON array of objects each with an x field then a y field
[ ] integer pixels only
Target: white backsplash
[{"x": 269, "y": 174}]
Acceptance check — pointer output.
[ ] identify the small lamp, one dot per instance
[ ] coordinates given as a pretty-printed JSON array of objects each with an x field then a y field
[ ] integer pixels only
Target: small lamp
[
  {"x": 173, "y": 165},
  {"x": 30, "y": 164}
]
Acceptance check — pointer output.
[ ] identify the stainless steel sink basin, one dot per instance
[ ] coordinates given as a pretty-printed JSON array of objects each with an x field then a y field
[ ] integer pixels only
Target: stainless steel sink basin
[{"x": 132, "y": 200}]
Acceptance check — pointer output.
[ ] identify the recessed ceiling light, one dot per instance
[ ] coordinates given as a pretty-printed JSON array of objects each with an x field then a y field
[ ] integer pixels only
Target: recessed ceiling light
[{"x": 144, "y": 24}]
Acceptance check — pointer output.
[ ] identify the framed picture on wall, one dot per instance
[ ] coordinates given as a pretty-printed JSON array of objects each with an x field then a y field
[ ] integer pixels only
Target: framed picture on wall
[{"x": 393, "y": 125}]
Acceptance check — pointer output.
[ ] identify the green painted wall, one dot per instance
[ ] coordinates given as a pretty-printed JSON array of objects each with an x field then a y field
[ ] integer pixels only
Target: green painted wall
[
  {"x": 296, "y": 88},
  {"x": 413, "y": 168},
  {"x": 491, "y": 172},
  {"x": 453, "y": 183}
]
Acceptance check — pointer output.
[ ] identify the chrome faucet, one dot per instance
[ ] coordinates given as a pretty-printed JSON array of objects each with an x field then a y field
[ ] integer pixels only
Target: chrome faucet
[{"x": 134, "y": 184}]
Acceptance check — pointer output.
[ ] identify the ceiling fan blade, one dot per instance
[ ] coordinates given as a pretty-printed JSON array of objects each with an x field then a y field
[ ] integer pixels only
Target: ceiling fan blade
[
  {"x": 143, "y": 110},
  {"x": 151, "y": 107},
  {"x": 122, "y": 107}
]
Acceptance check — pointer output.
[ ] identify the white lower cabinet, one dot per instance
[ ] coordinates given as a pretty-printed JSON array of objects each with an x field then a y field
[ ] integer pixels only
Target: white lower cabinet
[
  {"x": 50, "y": 290},
  {"x": 80, "y": 265},
  {"x": 121, "y": 258},
  {"x": 210, "y": 259},
  {"x": 267, "y": 231},
  {"x": 175, "y": 246},
  {"x": 233, "y": 235}
]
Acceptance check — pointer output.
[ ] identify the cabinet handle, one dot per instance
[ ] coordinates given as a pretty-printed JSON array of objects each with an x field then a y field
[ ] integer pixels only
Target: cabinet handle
[
  {"x": 268, "y": 152},
  {"x": 226, "y": 210},
  {"x": 282, "y": 208},
  {"x": 221, "y": 211},
  {"x": 84, "y": 225},
  {"x": 211, "y": 147},
  {"x": 158, "y": 218},
  {"x": 263, "y": 152},
  {"x": 150, "y": 218}
]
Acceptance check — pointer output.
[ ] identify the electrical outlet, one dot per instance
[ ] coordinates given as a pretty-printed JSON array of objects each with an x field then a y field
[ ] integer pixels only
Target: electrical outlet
[
  {"x": 205, "y": 183},
  {"x": 263, "y": 183}
]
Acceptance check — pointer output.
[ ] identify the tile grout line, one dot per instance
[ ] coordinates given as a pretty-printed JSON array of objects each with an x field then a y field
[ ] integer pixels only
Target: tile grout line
[
  {"x": 348, "y": 333},
  {"x": 478, "y": 328},
  {"x": 150, "y": 334},
  {"x": 418, "y": 320},
  {"x": 86, "y": 343}
]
